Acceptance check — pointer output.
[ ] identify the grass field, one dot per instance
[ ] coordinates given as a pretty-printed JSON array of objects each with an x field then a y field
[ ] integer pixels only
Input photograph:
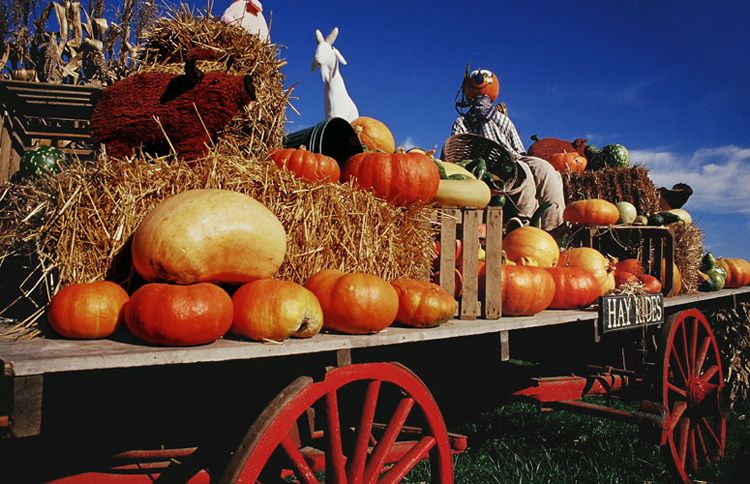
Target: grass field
[{"x": 517, "y": 444}]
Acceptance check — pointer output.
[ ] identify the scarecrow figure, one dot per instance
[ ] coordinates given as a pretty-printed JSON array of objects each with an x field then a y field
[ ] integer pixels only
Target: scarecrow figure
[{"x": 543, "y": 183}]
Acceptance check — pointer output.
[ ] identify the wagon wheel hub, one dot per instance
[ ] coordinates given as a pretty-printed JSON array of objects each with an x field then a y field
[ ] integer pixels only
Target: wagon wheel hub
[{"x": 699, "y": 391}]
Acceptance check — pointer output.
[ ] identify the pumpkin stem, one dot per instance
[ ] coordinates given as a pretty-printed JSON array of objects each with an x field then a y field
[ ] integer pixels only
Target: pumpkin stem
[{"x": 534, "y": 137}]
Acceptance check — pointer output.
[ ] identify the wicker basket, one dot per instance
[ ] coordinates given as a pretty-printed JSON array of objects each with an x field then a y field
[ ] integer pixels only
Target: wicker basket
[{"x": 459, "y": 147}]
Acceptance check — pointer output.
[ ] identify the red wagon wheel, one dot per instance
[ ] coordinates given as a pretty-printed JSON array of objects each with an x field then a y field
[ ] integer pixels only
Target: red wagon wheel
[
  {"x": 351, "y": 448},
  {"x": 691, "y": 386}
]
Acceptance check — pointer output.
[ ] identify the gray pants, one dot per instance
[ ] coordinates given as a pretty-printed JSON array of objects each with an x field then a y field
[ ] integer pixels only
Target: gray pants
[{"x": 543, "y": 183}]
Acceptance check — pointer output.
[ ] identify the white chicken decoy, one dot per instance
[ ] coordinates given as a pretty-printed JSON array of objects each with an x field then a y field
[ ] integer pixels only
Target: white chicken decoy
[
  {"x": 247, "y": 14},
  {"x": 336, "y": 101}
]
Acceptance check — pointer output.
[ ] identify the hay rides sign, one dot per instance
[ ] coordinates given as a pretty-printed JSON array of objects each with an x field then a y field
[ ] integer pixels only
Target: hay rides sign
[{"x": 619, "y": 312}]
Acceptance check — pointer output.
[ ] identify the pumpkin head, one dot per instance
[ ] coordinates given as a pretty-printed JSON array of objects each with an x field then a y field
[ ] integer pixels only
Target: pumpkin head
[
  {"x": 400, "y": 178},
  {"x": 273, "y": 309},
  {"x": 481, "y": 82},
  {"x": 593, "y": 211},
  {"x": 354, "y": 303},
  {"x": 422, "y": 304},
  {"x": 571, "y": 161},
  {"x": 531, "y": 246},
  {"x": 307, "y": 165},
  {"x": 526, "y": 290},
  {"x": 171, "y": 315},
  {"x": 574, "y": 287},
  {"x": 593, "y": 261},
  {"x": 87, "y": 311},
  {"x": 374, "y": 135}
]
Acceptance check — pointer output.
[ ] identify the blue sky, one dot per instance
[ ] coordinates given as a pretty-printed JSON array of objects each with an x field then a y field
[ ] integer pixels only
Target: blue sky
[{"x": 668, "y": 79}]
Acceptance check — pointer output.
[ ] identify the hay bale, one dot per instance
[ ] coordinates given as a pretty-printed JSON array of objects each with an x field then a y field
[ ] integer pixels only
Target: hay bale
[
  {"x": 260, "y": 127},
  {"x": 732, "y": 330},
  {"x": 615, "y": 185},
  {"x": 688, "y": 250},
  {"x": 79, "y": 222}
]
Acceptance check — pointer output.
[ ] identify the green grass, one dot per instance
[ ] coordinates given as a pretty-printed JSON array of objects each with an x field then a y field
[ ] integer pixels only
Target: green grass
[{"x": 517, "y": 444}]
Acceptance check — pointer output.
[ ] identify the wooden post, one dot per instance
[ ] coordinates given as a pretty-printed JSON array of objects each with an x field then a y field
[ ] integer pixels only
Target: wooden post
[
  {"x": 470, "y": 296},
  {"x": 5, "y": 150},
  {"x": 493, "y": 306},
  {"x": 504, "y": 346},
  {"x": 448, "y": 219},
  {"x": 25, "y": 419}
]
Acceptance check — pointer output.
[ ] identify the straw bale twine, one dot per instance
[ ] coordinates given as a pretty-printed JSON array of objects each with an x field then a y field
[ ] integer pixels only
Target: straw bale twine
[{"x": 77, "y": 224}]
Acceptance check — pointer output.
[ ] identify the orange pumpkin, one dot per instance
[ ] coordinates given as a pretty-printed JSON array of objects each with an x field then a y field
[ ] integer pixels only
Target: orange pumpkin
[
  {"x": 273, "y": 309},
  {"x": 307, "y": 165},
  {"x": 422, "y": 304},
  {"x": 374, "y": 135},
  {"x": 531, "y": 246},
  {"x": 525, "y": 290},
  {"x": 171, "y": 315},
  {"x": 594, "y": 262},
  {"x": 676, "y": 278},
  {"x": 738, "y": 272},
  {"x": 354, "y": 303},
  {"x": 574, "y": 287},
  {"x": 481, "y": 82},
  {"x": 625, "y": 277},
  {"x": 650, "y": 284},
  {"x": 568, "y": 161},
  {"x": 87, "y": 311},
  {"x": 400, "y": 178},
  {"x": 593, "y": 211},
  {"x": 632, "y": 266}
]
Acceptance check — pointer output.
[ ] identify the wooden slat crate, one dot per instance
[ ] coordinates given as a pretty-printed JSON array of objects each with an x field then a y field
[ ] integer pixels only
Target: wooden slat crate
[
  {"x": 35, "y": 114},
  {"x": 648, "y": 244},
  {"x": 463, "y": 224}
]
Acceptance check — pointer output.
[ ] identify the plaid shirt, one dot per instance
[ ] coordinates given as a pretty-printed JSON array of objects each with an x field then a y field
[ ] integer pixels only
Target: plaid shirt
[{"x": 499, "y": 128}]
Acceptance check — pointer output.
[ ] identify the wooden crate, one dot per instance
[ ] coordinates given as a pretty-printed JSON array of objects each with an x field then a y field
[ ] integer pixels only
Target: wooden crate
[
  {"x": 463, "y": 224},
  {"x": 648, "y": 244},
  {"x": 35, "y": 114}
]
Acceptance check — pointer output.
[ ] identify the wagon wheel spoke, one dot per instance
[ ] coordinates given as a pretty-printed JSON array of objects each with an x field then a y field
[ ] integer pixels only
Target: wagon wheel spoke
[
  {"x": 692, "y": 449},
  {"x": 410, "y": 459},
  {"x": 711, "y": 432},
  {"x": 392, "y": 430},
  {"x": 683, "y": 439},
  {"x": 702, "y": 442},
  {"x": 678, "y": 409},
  {"x": 680, "y": 391},
  {"x": 301, "y": 469},
  {"x": 702, "y": 353},
  {"x": 694, "y": 347},
  {"x": 355, "y": 467},
  {"x": 335, "y": 459},
  {"x": 674, "y": 356},
  {"x": 709, "y": 374},
  {"x": 685, "y": 350}
]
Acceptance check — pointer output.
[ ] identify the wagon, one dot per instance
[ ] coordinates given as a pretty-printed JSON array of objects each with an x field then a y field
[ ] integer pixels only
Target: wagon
[{"x": 343, "y": 408}]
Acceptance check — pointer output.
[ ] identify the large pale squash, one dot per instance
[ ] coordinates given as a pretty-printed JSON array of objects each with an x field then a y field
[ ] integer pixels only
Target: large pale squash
[{"x": 215, "y": 236}]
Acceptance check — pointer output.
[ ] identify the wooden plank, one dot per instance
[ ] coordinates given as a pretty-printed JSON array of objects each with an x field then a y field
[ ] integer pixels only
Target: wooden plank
[
  {"x": 448, "y": 220},
  {"x": 493, "y": 307},
  {"x": 43, "y": 356},
  {"x": 5, "y": 149},
  {"x": 470, "y": 240},
  {"x": 25, "y": 419},
  {"x": 504, "y": 345}
]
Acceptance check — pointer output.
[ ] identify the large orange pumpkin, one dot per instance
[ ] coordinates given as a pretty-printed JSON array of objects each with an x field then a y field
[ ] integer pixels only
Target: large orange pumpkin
[
  {"x": 481, "y": 82},
  {"x": 400, "y": 178},
  {"x": 273, "y": 309},
  {"x": 423, "y": 304},
  {"x": 525, "y": 290},
  {"x": 215, "y": 236},
  {"x": 307, "y": 165},
  {"x": 374, "y": 135},
  {"x": 531, "y": 246},
  {"x": 172, "y": 315},
  {"x": 354, "y": 303},
  {"x": 87, "y": 311},
  {"x": 594, "y": 262},
  {"x": 738, "y": 272},
  {"x": 593, "y": 211},
  {"x": 574, "y": 287},
  {"x": 568, "y": 161}
]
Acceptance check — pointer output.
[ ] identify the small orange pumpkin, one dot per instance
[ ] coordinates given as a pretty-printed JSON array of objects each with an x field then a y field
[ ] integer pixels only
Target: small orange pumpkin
[
  {"x": 374, "y": 135},
  {"x": 593, "y": 211},
  {"x": 481, "y": 82},
  {"x": 273, "y": 309},
  {"x": 354, "y": 303},
  {"x": 422, "y": 304},
  {"x": 400, "y": 178},
  {"x": 307, "y": 165},
  {"x": 171, "y": 315},
  {"x": 650, "y": 284},
  {"x": 87, "y": 311},
  {"x": 574, "y": 287},
  {"x": 526, "y": 290},
  {"x": 568, "y": 161},
  {"x": 632, "y": 266},
  {"x": 738, "y": 272}
]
